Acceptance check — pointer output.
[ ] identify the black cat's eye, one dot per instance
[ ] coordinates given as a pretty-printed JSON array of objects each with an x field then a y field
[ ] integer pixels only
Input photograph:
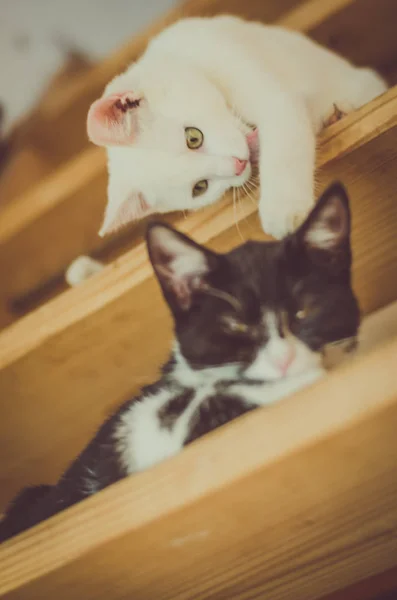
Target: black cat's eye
[
  {"x": 200, "y": 188},
  {"x": 234, "y": 326},
  {"x": 194, "y": 138},
  {"x": 301, "y": 314}
]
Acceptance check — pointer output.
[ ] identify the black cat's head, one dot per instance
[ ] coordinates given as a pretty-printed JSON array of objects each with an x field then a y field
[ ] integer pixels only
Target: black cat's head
[{"x": 268, "y": 308}]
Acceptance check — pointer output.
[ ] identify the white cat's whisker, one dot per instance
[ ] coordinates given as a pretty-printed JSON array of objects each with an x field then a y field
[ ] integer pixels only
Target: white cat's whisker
[
  {"x": 253, "y": 183},
  {"x": 249, "y": 195}
]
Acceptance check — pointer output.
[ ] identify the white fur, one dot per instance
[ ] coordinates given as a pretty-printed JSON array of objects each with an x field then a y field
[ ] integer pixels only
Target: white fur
[
  {"x": 266, "y": 394},
  {"x": 219, "y": 74},
  {"x": 141, "y": 439},
  {"x": 81, "y": 269}
]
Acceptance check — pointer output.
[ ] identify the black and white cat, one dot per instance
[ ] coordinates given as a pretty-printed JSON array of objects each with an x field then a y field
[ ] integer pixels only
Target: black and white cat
[{"x": 250, "y": 328}]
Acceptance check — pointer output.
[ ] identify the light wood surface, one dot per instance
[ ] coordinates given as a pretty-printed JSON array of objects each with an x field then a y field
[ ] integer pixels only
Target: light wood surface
[
  {"x": 363, "y": 31},
  {"x": 78, "y": 189},
  {"x": 80, "y": 350},
  {"x": 378, "y": 587},
  {"x": 292, "y": 501}
]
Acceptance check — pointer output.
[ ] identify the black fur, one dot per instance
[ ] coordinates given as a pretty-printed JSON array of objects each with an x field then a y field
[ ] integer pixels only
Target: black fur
[
  {"x": 284, "y": 277},
  {"x": 97, "y": 467},
  {"x": 216, "y": 411},
  {"x": 304, "y": 284},
  {"x": 169, "y": 413}
]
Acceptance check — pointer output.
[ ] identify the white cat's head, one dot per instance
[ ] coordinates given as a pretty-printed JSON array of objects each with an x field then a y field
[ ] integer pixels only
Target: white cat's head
[{"x": 173, "y": 143}]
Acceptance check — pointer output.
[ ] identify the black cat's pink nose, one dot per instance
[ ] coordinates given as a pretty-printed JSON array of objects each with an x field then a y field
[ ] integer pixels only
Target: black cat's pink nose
[
  {"x": 239, "y": 166},
  {"x": 283, "y": 362}
]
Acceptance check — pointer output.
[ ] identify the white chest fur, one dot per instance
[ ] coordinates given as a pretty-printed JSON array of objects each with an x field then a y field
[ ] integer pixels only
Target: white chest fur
[{"x": 142, "y": 440}]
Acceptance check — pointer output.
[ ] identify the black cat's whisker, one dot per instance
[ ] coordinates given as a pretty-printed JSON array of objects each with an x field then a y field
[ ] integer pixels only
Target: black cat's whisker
[
  {"x": 351, "y": 343},
  {"x": 207, "y": 289},
  {"x": 235, "y": 191},
  {"x": 239, "y": 204},
  {"x": 245, "y": 217}
]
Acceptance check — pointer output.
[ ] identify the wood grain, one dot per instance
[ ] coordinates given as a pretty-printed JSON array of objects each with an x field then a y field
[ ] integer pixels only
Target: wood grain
[
  {"x": 378, "y": 587},
  {"x": 79, "y": 198},
  {"x": 80, "y": 349},
  {"x": 294, "y": 501},
  {"x": 363, "y": 31}
]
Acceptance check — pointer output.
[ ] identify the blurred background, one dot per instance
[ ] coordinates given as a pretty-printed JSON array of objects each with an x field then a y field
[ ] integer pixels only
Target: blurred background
[{"x": 39, "y": 37}]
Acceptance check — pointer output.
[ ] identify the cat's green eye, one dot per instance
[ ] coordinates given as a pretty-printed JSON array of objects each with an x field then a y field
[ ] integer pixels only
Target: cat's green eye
[
  {"x": 200, "y": 188},
  {"x": 194, "y": 138}
]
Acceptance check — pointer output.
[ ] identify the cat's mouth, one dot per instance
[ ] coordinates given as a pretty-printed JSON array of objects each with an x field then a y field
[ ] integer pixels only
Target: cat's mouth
[{"x": 253, "y": 146}]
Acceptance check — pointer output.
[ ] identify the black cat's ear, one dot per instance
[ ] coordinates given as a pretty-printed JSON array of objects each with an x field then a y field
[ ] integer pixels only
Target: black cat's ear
[
  {"x": 179, "y": 263},
  {"x": 327, "y": 228}
]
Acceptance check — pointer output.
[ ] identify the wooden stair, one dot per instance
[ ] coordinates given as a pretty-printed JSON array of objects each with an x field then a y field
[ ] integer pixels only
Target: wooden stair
[
  {"x": 217, "y": 521},
  {"x": 68, "y": 205}
]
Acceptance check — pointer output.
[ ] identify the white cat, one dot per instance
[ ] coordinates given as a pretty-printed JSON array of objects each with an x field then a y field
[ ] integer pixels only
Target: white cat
[{"x": 175, "y": 124}]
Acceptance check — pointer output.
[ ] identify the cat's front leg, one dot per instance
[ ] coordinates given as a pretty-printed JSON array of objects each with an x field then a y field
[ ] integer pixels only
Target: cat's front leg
[
  {"x": 287, "y": 163},
  {"x": 287, "y": 157}
]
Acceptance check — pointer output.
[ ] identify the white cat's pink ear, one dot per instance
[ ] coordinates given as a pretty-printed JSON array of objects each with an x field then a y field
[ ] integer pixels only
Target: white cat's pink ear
[
  {"x": 133, "y": 208},
  {"x": 179, "y": 264},
  {"x": 112, "y": 120}
]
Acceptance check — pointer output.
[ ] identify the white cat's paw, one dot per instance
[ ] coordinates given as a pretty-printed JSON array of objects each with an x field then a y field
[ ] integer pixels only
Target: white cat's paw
[
  {"x": 279, "y": 216},
  {"x": 361, "y": 86},
  {"x": 336, "y": 113},
  {"x": 81, "y": 269}
]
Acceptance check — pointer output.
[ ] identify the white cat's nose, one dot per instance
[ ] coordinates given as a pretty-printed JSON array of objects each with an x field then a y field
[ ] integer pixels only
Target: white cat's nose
[{"x": 239, "y": 165}]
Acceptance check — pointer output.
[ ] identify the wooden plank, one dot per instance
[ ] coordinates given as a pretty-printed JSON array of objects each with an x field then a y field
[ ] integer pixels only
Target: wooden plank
[
  {"x": 42, "y": 229},
  {"x": 308, "y": 507},
  {"x": 29, "y": 264},
  {"x": 378, "y": 587},
  {"x": 363, "y": 31},
  {"x": 80, "y": 349}
]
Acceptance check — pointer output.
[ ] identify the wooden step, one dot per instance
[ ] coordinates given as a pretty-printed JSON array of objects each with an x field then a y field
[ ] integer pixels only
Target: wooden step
[
  {"x": 293, "y": 501},
  {"x": 68, "y": 206},
  {"x": 79, "y": 350}
]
